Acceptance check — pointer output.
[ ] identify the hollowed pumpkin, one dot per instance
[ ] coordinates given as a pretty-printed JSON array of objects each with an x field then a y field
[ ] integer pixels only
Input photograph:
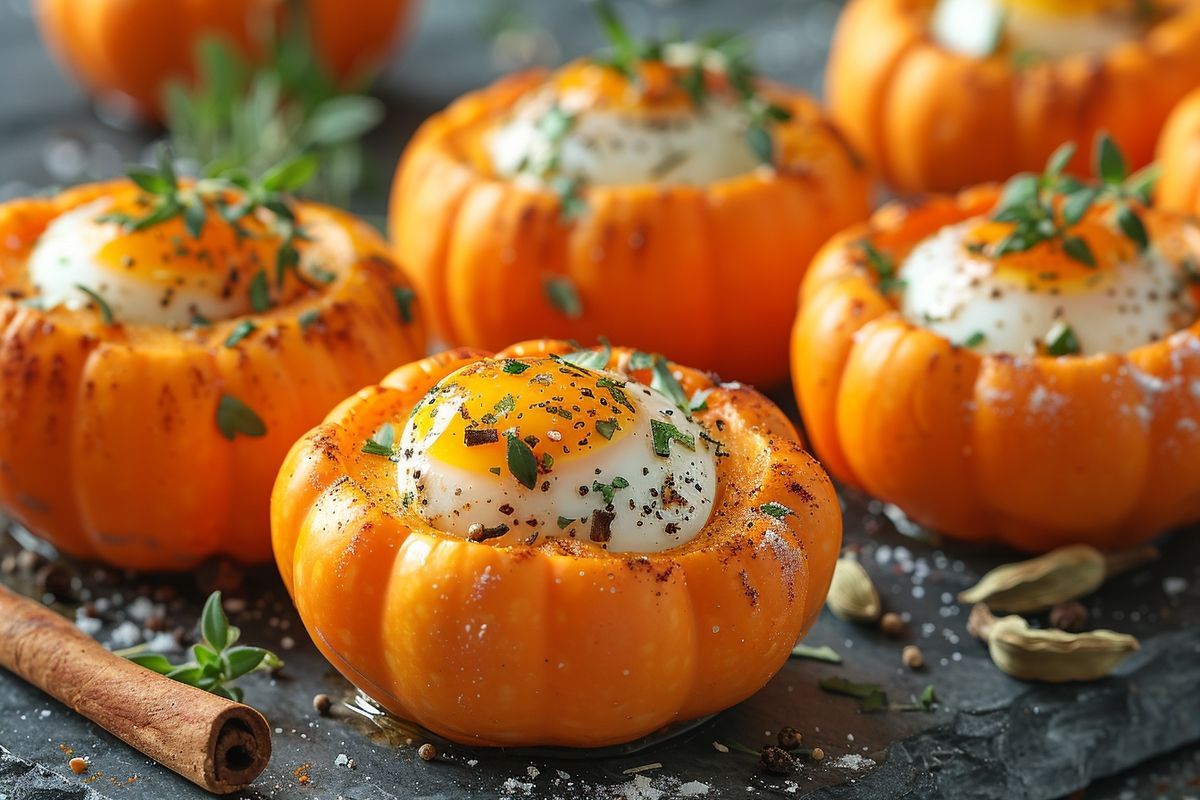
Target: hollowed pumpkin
[
  {"x": 132, "y": 47},
  {"x": 111, "y": 441},
  {"x": 934, "y": 120},
  {"x": 557, "y": 642},
  {"x": 639, "y": 258},
  {"x": 1034, "y": 451}
]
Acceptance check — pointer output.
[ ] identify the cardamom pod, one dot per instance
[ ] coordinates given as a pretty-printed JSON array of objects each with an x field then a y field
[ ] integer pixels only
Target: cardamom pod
[
  {"x": 852, "y": 595},
  {"x": 1052, "y": 656},
  {"x": 1060, "y": 575}
]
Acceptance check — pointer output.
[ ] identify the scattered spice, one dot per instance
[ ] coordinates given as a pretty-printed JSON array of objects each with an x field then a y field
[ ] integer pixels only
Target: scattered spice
[
  {"x": 78, "y": 765},
  {"x": 789, "y": 738},
  {"x": 776, "y": 760},
  {"x": 427, "y": 752},
  {"x": 322, "y": 704},
  {"x": 892, "y": 624},
  {"x": 1071, "y": 616},
  {"x": 912, "y": 657}
]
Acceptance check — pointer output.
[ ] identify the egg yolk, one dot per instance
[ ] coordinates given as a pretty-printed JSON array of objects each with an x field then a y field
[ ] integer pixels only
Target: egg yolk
[
  {"x": 560, "y": 411},
  {"x": 512, "y": 451},
  {"x": 1047, "y": 262}
]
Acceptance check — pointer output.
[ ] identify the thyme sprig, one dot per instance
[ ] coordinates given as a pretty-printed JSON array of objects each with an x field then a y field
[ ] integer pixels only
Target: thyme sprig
[
  {"x": 1048, "y": 207},
  {"x": 232, "y": 195},
  {"x": 721, "y": 53},
  {"x": 217, "y": 660}
]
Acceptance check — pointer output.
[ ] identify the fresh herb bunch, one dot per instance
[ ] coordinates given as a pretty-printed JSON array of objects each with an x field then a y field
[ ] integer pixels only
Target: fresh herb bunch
[
  {"x": 1047, "y": 207},
  {"x": 241, "y": 116},
  {"x": 233, "y": 195},
  {"x": 217, "y": 660},
  {"x": 722, "y": 53}
]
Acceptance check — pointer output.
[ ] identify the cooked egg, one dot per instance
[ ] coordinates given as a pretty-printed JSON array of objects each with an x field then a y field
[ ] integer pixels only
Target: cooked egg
[
  {"x": 517, "y": 450},
  {"x": 1042, "y": 28},
  {"x": 161, "y": 275},
  {"x": 563, "y": 134},
  {"x": 1020, "y": 302}
]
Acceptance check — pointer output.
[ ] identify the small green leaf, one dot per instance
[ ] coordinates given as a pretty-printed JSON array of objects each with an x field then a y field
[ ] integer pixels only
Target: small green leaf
[
  {"x": 975, "y": 339},
  {"x": 290, "y": 175},
  {"x": 589, "y": 358},
  {"x": 243, "y": 329},
  {"x": 665, "y": 382},
  {"x": 565, "y": 522},
  {"x": 872, "y": 696},
  {"x": 560, "y": 291},
  {"x": 343, "y": 119},
  {"x": 189, "y": 673},
  {"x": 1110, "y": 164},
  {"x": 106, "y": 314},
  {"x": 1061, "y": 341},
  {"x": 206, "y": 656},
  {"x": 555, "y": 123},
  {"x": 606, "y": 427},
  {"x": 1021, "y": 190},
  {"x": 1058, "y": 160},
  {"x": 404, "y": 297},
  {"x": 514, "y": 367},
  {"x": 1141, "y": 183},
  {"x": 150, "y": 180},
  {"x": 663, "y": 433},
  {"x": 260, "y": 292},
  {"x": 214, "y": 625},
  {"x": 699, "y": 401},
  {"x": 1131, "y": 225},
  {"x": 1078, "y": 250},
  {"x": 241, "y": 660},
  {"x": 152, "y": 661},
  {"x": 1077, "y": 204},
  {"x": 758, "y": 138},
  {"x": 193, "y": 218},
  {"x": 235, "y": 417},
  {"x": 521, "y": 462},
  {"x": 309, "y": 318},
  {"x": 383, "y": 443},
  {"x": 823, "y": 653},
  {"x": 776, "y": 510}
]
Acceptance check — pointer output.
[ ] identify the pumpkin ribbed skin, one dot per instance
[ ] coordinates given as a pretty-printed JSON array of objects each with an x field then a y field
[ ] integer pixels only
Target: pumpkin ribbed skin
[
  {"x": 560, "y": 642},
  {"x": 932, "y": 120},
  {"x": 728, "y": 255},
  {"x": 134, "y": 46},
  {"x": 1178, "y": 155},
  {"x": 109, "y": 446},
  {"x": 966, "y": 443}
]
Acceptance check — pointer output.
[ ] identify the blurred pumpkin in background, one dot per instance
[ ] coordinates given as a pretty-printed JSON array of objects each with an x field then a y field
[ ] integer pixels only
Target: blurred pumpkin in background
[
  {"x": 1179, "y": 158},
  {"x": 944, "y": 94},
  {"x": 128, "y": 49}
]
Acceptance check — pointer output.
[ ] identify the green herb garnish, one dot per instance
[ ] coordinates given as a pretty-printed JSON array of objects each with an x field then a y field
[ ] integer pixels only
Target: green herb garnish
[
  {"x": 235, "y": 417},
  {"x": 383, "y": 443},
  {"x": 872, "y": 696},
  {"x": 776, "y": 510},
  {"x": 975, "y": 339},
  {"x": 663, "y": 433},
  {"x": 521, "y": 462},
  {"x": 404, "y": 297},
  {"x": 309, "y": 318},
  {"x": 606, "y": 427},
  {"x": 560, "y": 291},
  {"x": 881, "y": 264},
  {"x": 823, "y": 653},
  {"x": 1061, "y": 341},
  {"x": 566, "y": 522},
  {"x": 609, "y": 490},
  {"x": 106, "y": 314},
  {"x": 217, "y": 660},
  {"x": 665, "y": 383},
  {"x": 589, "y": 358},
  {"x": 617, "y": 390},
  {"x": 512, "y": 367},
  {"x": 243, "y": 329}
]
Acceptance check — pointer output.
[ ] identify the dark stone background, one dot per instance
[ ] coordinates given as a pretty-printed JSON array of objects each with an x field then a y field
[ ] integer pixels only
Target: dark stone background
[{"x": 990, "y": 737}]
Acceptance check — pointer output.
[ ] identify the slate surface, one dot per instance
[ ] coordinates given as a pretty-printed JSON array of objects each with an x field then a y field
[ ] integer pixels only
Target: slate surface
[{"x": 990, "y": 737}]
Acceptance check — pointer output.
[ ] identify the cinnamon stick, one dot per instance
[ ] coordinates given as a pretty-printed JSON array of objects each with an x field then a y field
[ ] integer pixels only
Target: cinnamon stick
[{"x": 216, "y": 743}]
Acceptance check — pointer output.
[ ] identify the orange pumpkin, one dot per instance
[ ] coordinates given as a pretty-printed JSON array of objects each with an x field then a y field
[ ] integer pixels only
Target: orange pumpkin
[
  {"x": 131, "y": 47},
  {"x": 136, "y": 443},
  {"x": 1179, "y": 158},
  {"x": 559, "y": 641},
  {"x": 930, "y": 119},
  {"x": 705, "y": 271},
  {"x": 1035, "y": 451}
]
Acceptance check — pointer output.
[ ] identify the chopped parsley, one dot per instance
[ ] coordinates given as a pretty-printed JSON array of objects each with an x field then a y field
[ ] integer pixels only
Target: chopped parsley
[
  {"x": 589, "y": 358},
  {"x": 776, "y": 510},
  {"x": 106, "y": 314},
  {"x": 975, "y": 339},
  {"x": 512, "y": 367},
  {"x": 617, "y": 390},
  {"x": 309, "y": 318},
  {"x": 606, "y": 427},
  {"x": 260, "y": 292},
  {"x": 1061, "y": 341},
  {"x": 243, "y": 329},
  {"x": 235, "y": 417},
  {"x": 564, "y": 298},
  {"x": 521, "y": 462},
  {"x": 663, "y": 433},
  {"x": 383, "y": 443},
  {"x": 609, "y": 490}
]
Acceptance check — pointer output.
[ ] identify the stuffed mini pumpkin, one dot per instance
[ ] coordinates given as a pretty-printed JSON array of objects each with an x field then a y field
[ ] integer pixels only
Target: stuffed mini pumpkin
[
  {"x": 1019, "y": 364},
  {"x": 944, "y": 94},
  {"x": 159, "y": 358},
  {"x": 131, "y": 47},
  {"x": 550, "y": 546},
  {"x": 659, "y": 194}
]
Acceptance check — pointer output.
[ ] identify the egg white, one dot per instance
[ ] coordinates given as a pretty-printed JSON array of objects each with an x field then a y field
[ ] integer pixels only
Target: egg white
[
  {"x": 605, "y": 147},
  {"x": 452, "y": 498},
  {"x": 958, "y": 294},
  {"x": 973, "y": 28},
  {"x": 64, "y": 259}
]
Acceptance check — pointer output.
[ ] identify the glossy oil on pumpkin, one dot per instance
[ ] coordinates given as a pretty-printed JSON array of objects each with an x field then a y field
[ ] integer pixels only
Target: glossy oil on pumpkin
[
  {"x": 705, "y": 272},
  {"x": 559, "y": 642},
  {"x": 1034, "y": 451},
  {"x": 931, "y": 119},
  {"x": 112, "y": 445},
  {"x": 132, "y": 47},
  {"x": 1179, "y": 159}
]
